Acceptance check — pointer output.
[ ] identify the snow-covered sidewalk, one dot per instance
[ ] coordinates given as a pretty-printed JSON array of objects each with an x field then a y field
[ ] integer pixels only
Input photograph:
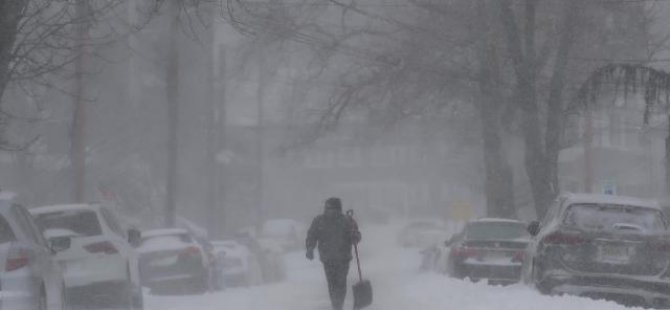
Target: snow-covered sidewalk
[{"x": 396, "y": 281}]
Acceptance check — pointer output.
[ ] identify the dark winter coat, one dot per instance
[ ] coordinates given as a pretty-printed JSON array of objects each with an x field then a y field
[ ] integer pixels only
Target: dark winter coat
[{"x": 334, "y": 233}]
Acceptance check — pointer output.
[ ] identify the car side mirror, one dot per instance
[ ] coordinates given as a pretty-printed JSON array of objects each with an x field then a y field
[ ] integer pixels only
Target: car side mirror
[
  {"x": 134, "y": 237},
  {"x": 534, "y": 228},
  {"x": 59, "y": 244}
]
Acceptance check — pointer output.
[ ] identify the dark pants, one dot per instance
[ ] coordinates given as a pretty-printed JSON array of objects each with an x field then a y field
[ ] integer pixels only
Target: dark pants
[{"x": 336, "y": 275}]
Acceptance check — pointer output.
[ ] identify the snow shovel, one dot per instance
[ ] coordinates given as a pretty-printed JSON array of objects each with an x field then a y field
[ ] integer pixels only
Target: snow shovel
[{"x": 363, "y": 289}]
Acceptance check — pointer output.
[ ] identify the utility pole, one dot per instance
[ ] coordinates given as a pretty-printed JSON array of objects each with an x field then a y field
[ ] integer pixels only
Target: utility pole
[
  {"x": 78, "y": 130},
  {"x": 172, "y": 93}
]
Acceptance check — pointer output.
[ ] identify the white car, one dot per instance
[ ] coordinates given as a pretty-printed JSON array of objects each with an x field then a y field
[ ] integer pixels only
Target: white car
[
  {"x": 30, "y": 278},
  {"x": 289, "y": 234},
  {"x": 172, "y": 260},
  {"x": 101, "y": 265},
  {"x": 238, "y": 265},
  {"x": 422, "y": 233}
]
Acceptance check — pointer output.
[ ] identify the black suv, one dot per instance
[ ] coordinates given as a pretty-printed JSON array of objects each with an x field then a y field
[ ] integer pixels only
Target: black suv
[{"x": 603, "y": 247}]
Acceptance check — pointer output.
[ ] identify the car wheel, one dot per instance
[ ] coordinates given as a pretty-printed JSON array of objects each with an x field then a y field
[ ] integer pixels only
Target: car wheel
[{"x": 537, "y": 275}]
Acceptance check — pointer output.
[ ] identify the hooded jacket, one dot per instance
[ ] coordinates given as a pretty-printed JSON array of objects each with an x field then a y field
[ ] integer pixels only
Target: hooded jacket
[{"x": 334, "y": 233}]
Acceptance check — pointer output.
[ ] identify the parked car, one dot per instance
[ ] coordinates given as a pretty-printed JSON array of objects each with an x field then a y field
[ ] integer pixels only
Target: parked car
[
  {"x": 601, "y": 246},
  {"x": 101, "y": 266},
  {"x": 490, "y": 249},
  {"x": 31, "y": 278},
  {"x": 171, "y": 261},
  {"x": 238, "y": 265},
  {"x": 422, "y": 233},
  {"x": 268, "y": 251},
  {"x": 289, "y": 234}
]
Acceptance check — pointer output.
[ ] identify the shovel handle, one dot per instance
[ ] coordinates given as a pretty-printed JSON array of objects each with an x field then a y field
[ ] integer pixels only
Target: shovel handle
[{"x": 350, "y": 213}]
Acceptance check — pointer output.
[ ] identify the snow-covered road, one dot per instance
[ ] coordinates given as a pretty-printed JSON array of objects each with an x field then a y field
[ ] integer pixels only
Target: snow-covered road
[{"x": 396, "y": 282}]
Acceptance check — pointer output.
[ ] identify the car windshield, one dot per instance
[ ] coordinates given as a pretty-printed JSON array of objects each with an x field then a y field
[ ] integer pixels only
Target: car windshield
[
  {"x": 6, "y": 232},
  {"x": 83, "y": 223},
  {"x": 495, "y": 231},
  {"x": 612, "y": 217}
]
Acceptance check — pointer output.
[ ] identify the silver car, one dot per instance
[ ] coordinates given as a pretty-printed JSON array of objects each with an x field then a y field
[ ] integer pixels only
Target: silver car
[{"x": 30, "y": 278}]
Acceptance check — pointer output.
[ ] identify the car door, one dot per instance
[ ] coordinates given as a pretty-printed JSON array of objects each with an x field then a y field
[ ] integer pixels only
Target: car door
[{"x": 43, "y": 265}]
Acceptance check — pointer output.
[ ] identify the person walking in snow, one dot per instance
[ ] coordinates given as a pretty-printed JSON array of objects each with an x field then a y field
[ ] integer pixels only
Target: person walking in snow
[{"x": 334, "y": 233}]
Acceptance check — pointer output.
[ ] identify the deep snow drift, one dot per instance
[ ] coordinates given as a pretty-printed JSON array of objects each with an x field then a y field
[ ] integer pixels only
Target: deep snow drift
[{"x": 397, "y": 285}]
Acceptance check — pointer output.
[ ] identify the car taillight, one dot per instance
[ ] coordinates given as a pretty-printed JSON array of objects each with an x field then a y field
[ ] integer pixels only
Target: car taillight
[
  {"x": 17, "y": 260},
  {"x": 464, "y": 252},
  {"x": 518, "y": 256},
  {"x": 101, "y": 247},
  {"x": 559, "y": 238}
]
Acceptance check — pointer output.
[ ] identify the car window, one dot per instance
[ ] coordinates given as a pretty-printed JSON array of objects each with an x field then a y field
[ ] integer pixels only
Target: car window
[
  {"x": 84, "y": 223},
  {"x": 158, "y": 241},
  {"x": 6, "y": 232},
  {"x": 112, "y": 222},
  {"x": 25, "y": 224},
  {"x": 35, "y": 230},
  {"x": 613, "y": 217},
  {"x": 495, "y": 231}
]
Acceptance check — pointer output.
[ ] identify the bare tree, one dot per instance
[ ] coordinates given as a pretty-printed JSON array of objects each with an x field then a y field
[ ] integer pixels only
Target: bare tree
[
  {"x": 624, "y": 79},
  {"x": 510, "y": 64}
]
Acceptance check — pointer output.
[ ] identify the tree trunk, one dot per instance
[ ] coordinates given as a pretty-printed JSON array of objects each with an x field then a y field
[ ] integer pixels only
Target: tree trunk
[
  {"x": 172, "y": 93},
  {"x": 667, "y": 161},
  {"x": 499, "y": 182},
  {"x": 215, "y": 136},
  {"x": 499, "y": 178},
  {"x": 522, "y": 53},
  {"x": 557, "y": 88},
  {"x": 78, "y": 134},
  {"x": 588, "y": 151},
  {"x": 260, "y": 148}
]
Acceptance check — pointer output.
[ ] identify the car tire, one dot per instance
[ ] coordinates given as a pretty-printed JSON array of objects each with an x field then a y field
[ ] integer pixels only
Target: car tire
[{"x": 542, "y": 285}]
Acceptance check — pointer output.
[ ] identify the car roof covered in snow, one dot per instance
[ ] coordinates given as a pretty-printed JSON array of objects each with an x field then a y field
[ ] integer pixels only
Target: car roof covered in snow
[
  {"x": 164, "y": 232},
  {"x": 496, "y": 220},
  {"x": 63, "y": 208},
  {"x": 572, "y": 198}
]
